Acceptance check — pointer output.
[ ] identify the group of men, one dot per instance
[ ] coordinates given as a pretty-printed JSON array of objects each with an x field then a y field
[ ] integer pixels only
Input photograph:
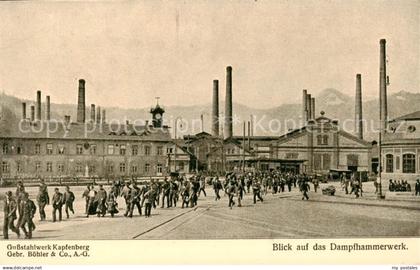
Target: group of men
[
  {"x": 19, "y": 207},
  {"x": 167, "y": 193}
]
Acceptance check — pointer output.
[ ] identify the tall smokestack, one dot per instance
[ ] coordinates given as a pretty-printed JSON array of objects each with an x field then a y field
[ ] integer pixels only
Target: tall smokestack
[
  {"x": 92, "y": 113},
  {"x": 32, "y": 113},
  {"x": 313, "y": 108},
  {"x": 358, "y": 117},
  {"x": 98, "y": 115},
  {"x": 23, "y": 110},
  {"x": 228, "y": 106},
  {"x": 48, "y": 109},
  {"x": 304, "y": 106},
  {"x": 215, "y": 109},
  {"x": 81, "y": 107},
  {"x": 383, "y": 110},
  {"x": 308, "y": 102},
  {"x": 38, "y": 105},
  {"x": 103, "y": 116}
]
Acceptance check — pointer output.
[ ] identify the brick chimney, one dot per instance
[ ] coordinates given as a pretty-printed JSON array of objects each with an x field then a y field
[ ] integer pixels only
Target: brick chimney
[
  {"x": 48, "y": 109},
  {"x": 92, "y": 113},
  {"x": 228, "y": 105},
  {"x": 215, "y": 109},
  {"x": 81, "y": 106},
  {"x": 38, "y": 105},
  {"x": 358, "y": 117},
  {"x": 32, "y": 113},
  {"x": 98, "y": 115},
  {"x": 309, "y": 107},
  {"x": 23, "y": 110},
  {"x": 383, "y": 106},
  {"x": 304, "y": 107}
]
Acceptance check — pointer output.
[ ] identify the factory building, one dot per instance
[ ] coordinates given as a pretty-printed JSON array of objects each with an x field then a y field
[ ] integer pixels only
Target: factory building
[
  {"x": 38, "y": 147},
  {"x": 400, "y": 137}
]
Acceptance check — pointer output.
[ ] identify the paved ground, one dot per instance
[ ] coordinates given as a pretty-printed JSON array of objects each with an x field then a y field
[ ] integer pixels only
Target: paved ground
[{"x": 282, "y": 215}]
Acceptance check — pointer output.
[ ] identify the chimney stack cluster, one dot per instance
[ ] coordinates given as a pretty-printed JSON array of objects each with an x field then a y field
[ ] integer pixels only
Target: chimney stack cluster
[
  {"x": 215, "y": 117},
  {"x": 308, "y": 107}
]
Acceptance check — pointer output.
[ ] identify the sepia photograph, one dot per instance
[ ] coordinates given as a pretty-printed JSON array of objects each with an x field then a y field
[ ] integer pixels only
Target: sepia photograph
[{"x": 209, "y": 120}]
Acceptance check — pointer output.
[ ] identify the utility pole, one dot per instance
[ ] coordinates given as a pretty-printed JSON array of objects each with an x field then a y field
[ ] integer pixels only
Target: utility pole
[{"x": 243, "y": 149}]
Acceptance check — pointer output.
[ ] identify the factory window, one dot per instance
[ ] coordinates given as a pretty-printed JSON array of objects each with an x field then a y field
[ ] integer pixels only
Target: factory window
[
  {"x": 79, "y": 168},
  {"x": 169, "y": 150},
  {"x": 147, "y": 150},
  {"x": 159, "y": 150},
  {"x": 19, "y": 150},
  {"x": 122, "y": 167},
  {"x": 60, "y": 149},
  {"x": 93, "y": 149},
  {"x": 79, "y": 149},
  {"x": 19, "y": 167},
  {"x": 322, "y": 139},
  {"x": 49, "y": 149},
  {"x": 37, "y": 149},
  {"x": 110, "y": 149},
  {"x": 5, "y": 167},
  {"x": 409, "y": 163},
  {"x": 326, "y": 161},
  {"x": 49, "y": 167},
  {"x": 60, "y": 167},
  {"x": 389, "y": 163},
  {"x": 146, "y": 167},
  {"x": 5, "y": 148},
  {"x": 110, "y": 168},
  {"x": 352, "y": 160},
  {"x": 292, "y": 155},
  {"x": 134, "y": 169},
  {"x": 134, "y": 150},
  {"x": 317, "y": 161},
  {"x": 38, "y": 166},
  {"x": 92, "y": 169},
  {"x": 397, "y": 163},
  {"x": 123, "y": 149},
  {"x": 159, "y": 168}
]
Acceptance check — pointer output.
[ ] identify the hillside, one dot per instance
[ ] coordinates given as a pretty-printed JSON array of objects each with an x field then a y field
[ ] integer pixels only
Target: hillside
[{"x": 337, "y": 105}]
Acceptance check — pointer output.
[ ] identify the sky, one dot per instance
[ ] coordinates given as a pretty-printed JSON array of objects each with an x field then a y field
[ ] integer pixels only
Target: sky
[{"x": 130, "y": 52}]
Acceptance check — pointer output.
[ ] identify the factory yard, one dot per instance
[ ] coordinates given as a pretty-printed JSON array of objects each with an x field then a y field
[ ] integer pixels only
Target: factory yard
[{"x": 282, "y": 215}]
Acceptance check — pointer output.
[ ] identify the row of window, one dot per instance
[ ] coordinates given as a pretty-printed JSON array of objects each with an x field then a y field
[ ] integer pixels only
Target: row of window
[
  {"x": 79, "y": 168},
  {"x": 408, "y": 163},
  {"x": 87, "y": 148}
]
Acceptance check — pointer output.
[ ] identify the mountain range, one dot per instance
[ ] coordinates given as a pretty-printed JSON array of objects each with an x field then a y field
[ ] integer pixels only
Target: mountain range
[{"x": 267, "y": 122}]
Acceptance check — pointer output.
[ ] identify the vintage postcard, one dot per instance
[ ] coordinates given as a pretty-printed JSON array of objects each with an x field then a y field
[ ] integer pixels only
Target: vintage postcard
[{"x": 238, "y": 132}]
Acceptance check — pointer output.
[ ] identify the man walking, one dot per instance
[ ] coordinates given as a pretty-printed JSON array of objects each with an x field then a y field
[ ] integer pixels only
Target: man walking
[
  {"x": 304, "y": 188},
  {"x": 10, "y": 208},
  {"x": 101, "y": 197},
  {"x": 217, "y": 186},
  {"x": 256, "y": 189},
  {"x": 57, "y": 203},
  {"x": 43, "y": 199},
  {"x": 68, "y": 200},
  {"x": 28, "y": 211},
  {"x": 135, "y": 200}
]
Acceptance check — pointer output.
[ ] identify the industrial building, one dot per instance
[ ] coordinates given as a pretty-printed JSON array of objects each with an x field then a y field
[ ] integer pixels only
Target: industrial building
[{"x": 40, "y": 147}]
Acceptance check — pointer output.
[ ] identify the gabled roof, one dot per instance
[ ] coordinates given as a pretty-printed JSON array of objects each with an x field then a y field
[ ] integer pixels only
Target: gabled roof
[
  {"x": 93, "y": 131},
  {"x": 408, "y": 117}
]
